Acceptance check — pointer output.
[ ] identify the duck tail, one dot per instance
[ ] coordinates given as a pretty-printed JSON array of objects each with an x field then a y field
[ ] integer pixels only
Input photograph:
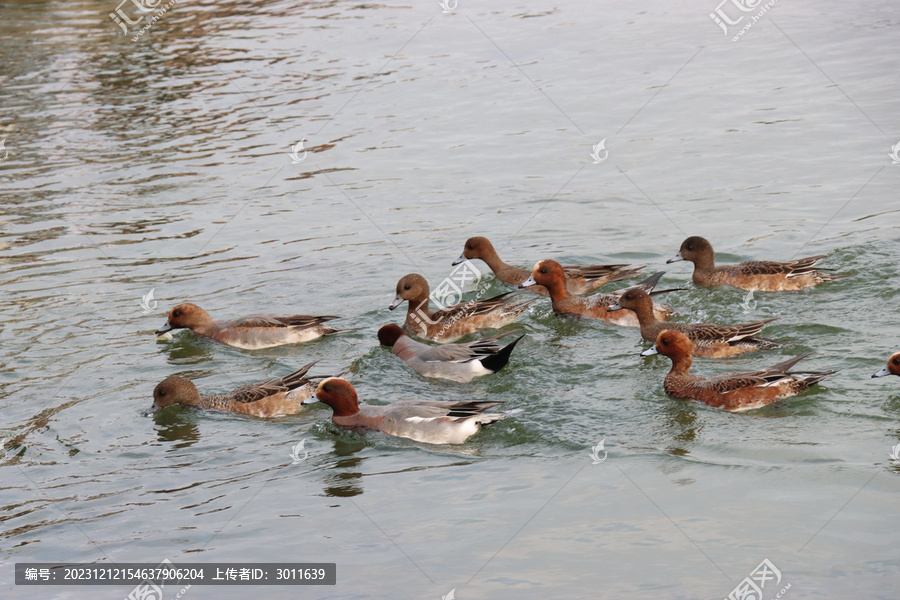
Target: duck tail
[
  {"x": 625, "y": 274},
  {"x": 497, "y": 361},
  {"x": 485, "y": 420},
  {"x": 830, "y": 277},
  {"x": 811, "y": 378},
  {"x": 762, "y": 343},
  {"x": 333, "y": 330}
]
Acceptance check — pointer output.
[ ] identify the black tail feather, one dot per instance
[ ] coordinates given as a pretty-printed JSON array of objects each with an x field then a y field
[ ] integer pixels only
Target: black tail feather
[{"x": 498, "y": 361}]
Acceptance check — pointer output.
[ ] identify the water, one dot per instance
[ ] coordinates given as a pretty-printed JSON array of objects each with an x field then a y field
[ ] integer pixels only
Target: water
[{"x": 164, "y": 164}]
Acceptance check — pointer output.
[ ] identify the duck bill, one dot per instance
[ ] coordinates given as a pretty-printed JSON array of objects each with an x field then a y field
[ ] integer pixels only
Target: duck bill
[
  {"x": 881, "y": 373},
  {"x": 675, "y": 258},
  {"x": 151, "y": 410},
  {"x": 528, "y": 282},
  {"x": 649, "y": 351},
  {"x": 310, "y": 400},
  {"x": 164, "y": 329},
  {"x": 615, "y": 306},
  {"x": 461, "y": 259},
  {"x": 397, "y": 301}
]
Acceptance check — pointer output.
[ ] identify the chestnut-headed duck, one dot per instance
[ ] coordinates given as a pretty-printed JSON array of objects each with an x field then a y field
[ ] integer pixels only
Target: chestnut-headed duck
[
  {"x": 455, "y": 321},
  {"x": 456, "y": 362},
  {"x": 731, "y": 391},
  {"x": 272, "y": 398},
  {"x": 251, "y": 332},
  {"x": 549, "y": 273},
  {"x": 708, "y": 340},
  {"x": 757, "y": 275},
  {"x": 579, "y": 279},
  {"x": 892, "y": 368},
  {"x": 423, "y": 421}
]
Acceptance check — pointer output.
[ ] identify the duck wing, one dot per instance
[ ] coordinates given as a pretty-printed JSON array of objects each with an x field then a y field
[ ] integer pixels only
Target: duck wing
[
  {"x": 302, "y": 321},
  {"x": 254, "y": 392}
]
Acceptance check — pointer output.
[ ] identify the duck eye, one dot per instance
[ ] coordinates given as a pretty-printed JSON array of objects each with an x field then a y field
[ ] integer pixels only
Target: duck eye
[
  {"x": 406, "y": 287},
  {"x": 176, "y": 313},
  {"x": 468, "y": 246},
  {"x": 162, "y": 392},
  {"x": 544, "y": 270}
]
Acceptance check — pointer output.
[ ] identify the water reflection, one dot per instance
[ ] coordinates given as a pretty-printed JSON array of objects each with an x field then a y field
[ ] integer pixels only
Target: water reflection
[
  {"x": 344, "y": 479},
  {"x": 682, "y": 424},
  {"x": 185, "y": 350},
  {"x": 176, "y": 424}
]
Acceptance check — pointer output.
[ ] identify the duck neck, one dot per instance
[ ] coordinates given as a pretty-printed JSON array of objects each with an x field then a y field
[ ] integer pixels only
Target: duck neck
[
  {"x": 705, "y": 262},
  {"x": 557, "y": 289},
  {"x": 492, "y": 260},
  {"x": 206, "y": 326},
  {"x": 681, "y": 364},
  {"x": 644, "y": 312},
  {"x": 404, "y": 348},
  {"x": 419, "y": 306}
]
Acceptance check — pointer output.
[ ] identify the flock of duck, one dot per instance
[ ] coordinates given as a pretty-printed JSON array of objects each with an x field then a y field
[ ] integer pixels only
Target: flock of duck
[{"x": 568, "y": 288}]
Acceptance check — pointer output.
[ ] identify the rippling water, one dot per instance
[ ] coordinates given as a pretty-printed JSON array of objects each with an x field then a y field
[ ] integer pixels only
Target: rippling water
[{"x": 163, "y": 163}]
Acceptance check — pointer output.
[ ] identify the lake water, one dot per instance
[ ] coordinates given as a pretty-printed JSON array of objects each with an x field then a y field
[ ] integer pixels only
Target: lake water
[{"x": 164, "y": 164}]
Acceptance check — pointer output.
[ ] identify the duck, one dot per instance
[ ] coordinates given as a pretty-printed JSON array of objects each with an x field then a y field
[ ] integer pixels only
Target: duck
[
  {"x": 707, "y": 340},
  {"x": 733, "y": 392},
  {"x": 272, "y": 398},
  {"x": 759, "y": 275},
  {"x": 429, "y": 421},
  {"x": 251, "y": 332},
  {"x": 892, "y": 368},
  {"x": 453, "y": 322},
  {"x": 456, "y": 362},
  {"x": 550, "y": 274},
  {"x": 580, "y": 280}
]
